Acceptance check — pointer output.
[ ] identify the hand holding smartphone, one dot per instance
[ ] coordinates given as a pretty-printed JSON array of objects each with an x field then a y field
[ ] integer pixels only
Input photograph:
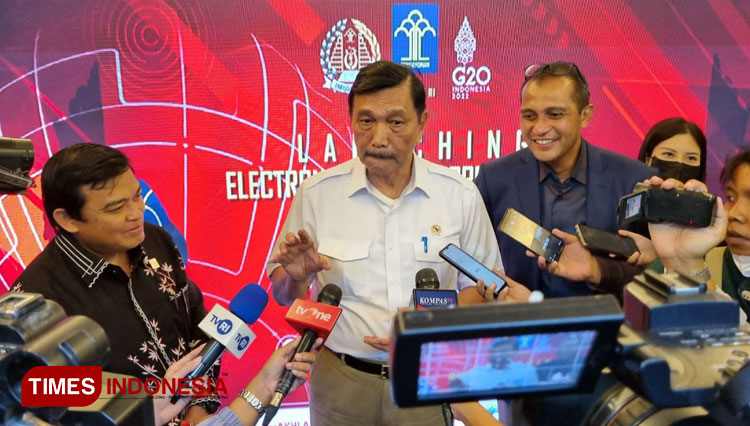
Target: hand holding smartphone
[
  {"x": 471, "y": 267},
  {"x": 529, "y": 234}
]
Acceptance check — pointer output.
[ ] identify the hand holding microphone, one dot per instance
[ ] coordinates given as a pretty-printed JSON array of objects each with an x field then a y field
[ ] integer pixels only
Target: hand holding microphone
[
  {"x": 164, "y": 409},
  {"x": 260, "y": 387},
  {"x": 313, "y": 320},
  {"x": 228, "y": 328},
  {"x": 287, "y": 358}
]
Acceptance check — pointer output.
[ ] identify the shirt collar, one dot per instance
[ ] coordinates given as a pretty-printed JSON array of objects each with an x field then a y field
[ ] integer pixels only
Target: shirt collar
[
  {"x": 579, "y": 170},
  {"x": 89, "y": 264},
  {"x": 358, "y": 181},
  {"x": 418, "y": 180},
  {"x": 420, "y": 176}
]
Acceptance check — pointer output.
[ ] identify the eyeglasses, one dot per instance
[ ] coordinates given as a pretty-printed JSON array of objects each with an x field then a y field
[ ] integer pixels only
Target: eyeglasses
[{"x": 559, "y": 69}]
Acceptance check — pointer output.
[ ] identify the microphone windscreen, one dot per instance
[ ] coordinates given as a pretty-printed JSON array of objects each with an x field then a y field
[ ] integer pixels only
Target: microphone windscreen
[
  {"x": 330, "y": 295},
  {"x": 249, "y": 303},
  {"x": 427, "y": 278}
]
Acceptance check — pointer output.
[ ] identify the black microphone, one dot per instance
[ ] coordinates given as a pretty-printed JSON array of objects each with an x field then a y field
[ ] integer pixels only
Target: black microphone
[
  {"x": 228, "y": 329},
  {"x": 428, "y": 293},
  {"x": 427, "y": 278},
  {"x": 313, "y": 320}
]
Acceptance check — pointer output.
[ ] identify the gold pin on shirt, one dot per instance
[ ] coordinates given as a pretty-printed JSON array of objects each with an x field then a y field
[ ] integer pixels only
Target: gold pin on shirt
[
  {"x": 154, "y": 263},
  {"x": 435, "y": 229}
]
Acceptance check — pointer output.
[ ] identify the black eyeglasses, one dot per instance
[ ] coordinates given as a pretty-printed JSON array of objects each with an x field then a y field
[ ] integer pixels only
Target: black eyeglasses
[{"x": 559, "y": 69}]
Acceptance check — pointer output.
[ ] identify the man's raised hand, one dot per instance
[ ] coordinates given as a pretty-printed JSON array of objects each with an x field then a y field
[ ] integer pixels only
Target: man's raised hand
[{"x": 299, "y": 256}]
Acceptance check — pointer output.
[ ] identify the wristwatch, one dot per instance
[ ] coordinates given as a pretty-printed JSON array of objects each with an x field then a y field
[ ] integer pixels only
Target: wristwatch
[{"x": 253, "y": 401}]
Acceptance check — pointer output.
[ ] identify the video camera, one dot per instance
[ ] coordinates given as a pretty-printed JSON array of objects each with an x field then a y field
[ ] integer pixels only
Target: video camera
[
  {"x": 35, "y": 332},
  {"x": 652, "y": 204},
  {"x": 680, "y": 348},
  {"x": 16, "y": 159}
]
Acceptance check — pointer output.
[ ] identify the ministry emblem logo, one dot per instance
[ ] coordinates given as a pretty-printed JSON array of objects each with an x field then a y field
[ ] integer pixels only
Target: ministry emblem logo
[
  {"x": 347, "y": 47},
  {"x": 415, "y": 36}
]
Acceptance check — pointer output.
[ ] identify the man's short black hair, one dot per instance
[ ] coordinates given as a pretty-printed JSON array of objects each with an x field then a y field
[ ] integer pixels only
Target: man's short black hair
[
  {"x": 562, "y": 69},
  {"x": 71, "y": 169},
  {"x": 384, "y": 75},
  {"x": 731, "y": 165}
]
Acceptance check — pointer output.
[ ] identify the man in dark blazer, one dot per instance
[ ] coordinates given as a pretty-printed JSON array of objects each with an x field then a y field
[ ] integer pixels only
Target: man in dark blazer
[{"x": 559, "y": 181}]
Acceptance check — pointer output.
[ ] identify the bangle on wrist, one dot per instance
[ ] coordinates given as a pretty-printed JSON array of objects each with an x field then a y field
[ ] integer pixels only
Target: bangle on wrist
[{"x": 702, "y": 275}]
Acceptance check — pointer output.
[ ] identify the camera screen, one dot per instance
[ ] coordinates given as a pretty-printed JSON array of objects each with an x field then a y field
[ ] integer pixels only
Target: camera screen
[
  {"x": 508, "y": 364},
  {"x": 633, "y": 206}
]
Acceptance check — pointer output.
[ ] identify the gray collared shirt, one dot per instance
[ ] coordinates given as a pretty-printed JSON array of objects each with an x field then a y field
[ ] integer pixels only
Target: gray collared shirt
[{"x": 563, "y": 204}]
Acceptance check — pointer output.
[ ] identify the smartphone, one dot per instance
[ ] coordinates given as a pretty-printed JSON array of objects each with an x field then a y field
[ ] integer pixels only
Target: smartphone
[
  {"x": 471, "y": 267},
  {"x": 602, "y": 242},
  {"x": 535, "y": 238}
]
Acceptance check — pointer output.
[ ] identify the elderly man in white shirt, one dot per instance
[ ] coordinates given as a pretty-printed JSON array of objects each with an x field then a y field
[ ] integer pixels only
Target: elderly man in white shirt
[{"x": 368, "y": 225}]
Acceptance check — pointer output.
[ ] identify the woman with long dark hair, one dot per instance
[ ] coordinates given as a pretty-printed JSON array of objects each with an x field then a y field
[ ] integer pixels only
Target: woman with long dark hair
[{"x": 677, "y": 148}]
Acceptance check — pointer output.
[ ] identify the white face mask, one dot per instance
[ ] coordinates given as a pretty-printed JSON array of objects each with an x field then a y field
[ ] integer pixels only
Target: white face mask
[{"x": 743, "y": 264}]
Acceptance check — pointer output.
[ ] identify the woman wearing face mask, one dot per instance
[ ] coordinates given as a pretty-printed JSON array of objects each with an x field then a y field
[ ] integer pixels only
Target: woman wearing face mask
[{"x": 677, "y": 148}]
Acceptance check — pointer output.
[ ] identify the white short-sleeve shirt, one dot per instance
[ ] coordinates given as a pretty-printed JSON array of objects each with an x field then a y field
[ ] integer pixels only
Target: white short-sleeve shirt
[{"x": 376, "y": 244}]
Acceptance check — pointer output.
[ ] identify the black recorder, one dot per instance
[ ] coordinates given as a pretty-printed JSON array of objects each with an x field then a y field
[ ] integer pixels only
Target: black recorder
[
  {"x": 681, "y": 355},
  {"x": 652, "y": 204},
  {"x": 603, "y": 243}
]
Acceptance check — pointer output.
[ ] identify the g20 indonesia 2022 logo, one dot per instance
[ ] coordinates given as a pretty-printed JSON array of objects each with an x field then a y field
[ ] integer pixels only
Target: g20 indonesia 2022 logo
[{"x": 467, "y": 78}]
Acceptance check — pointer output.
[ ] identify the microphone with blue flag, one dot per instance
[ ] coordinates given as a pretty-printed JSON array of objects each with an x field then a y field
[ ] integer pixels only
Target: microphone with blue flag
[{"x": 228, "y": 328}]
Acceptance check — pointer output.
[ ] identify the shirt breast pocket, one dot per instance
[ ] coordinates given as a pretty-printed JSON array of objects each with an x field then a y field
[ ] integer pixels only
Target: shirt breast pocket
[
  {"x": 430, "y": 258},
  {"x": 349, "y": 265}
]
